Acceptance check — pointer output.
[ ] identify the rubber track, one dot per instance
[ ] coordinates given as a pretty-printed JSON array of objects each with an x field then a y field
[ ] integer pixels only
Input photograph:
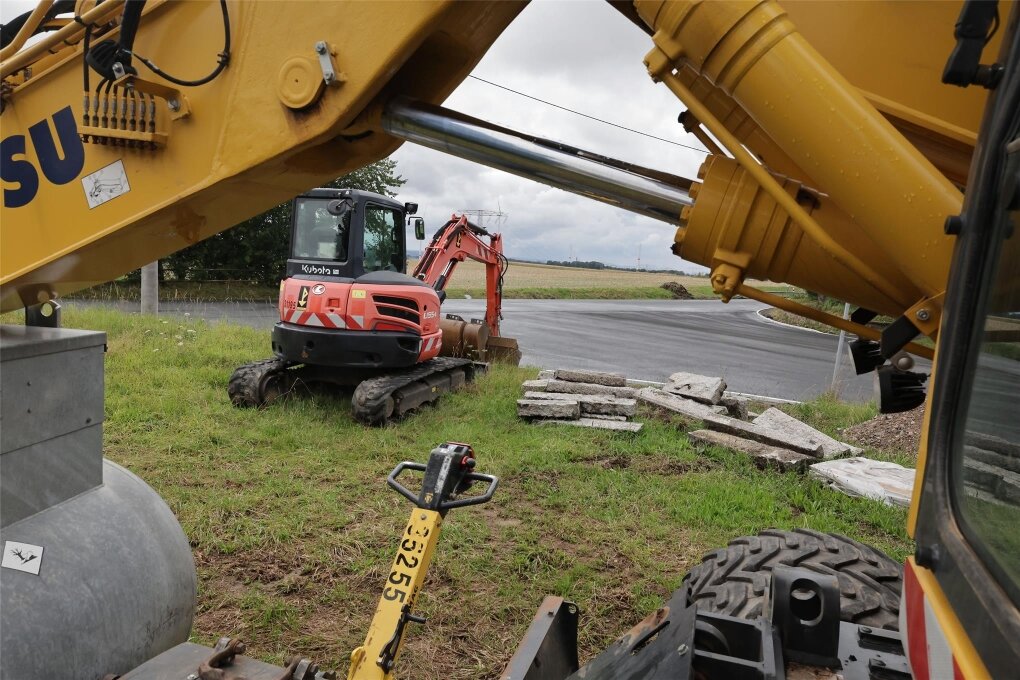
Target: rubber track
[
  {"x": 735, "y": 580},
  {"x": 370, "y": 402},
  {"x": 243, "y": 387}
]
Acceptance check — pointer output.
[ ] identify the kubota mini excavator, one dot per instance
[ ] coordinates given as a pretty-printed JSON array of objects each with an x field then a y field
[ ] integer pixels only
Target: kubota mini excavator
[{"x": 351, "y": 316}]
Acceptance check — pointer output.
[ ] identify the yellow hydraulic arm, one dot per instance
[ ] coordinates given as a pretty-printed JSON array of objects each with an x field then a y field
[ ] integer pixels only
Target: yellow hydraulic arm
[
  {"x": 837, "y": 178},
  {"x": 271, "y": 125}
]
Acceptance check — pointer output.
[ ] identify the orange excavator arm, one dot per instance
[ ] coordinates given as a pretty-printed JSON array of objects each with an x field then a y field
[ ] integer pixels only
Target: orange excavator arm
[{"x": 455, "y": 242}]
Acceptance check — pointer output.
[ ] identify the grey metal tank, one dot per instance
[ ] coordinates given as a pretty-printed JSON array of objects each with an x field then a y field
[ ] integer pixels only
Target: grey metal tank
[{"x": 97, "y": 575}]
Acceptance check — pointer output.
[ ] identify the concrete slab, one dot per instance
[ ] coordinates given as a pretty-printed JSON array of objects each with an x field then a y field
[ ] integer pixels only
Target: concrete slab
[
  {"x": 685, "y": 407},
  {"x": 735, "y": 407},
  {"x": 764, "y": 455},
  {"x": 591, "y": 404},
  {"x": 597, "y": 423},
  {"x": 589, "y": 388},
  {"x": 703, "y": 388},
  {"x": 535, "y": 385},
  {"x": 775, "y": 419},
  {"x": 592, "y": 377},
  {"x": 548, "y": 408},
  {"x": 546, "y": 374},
  {"x": 762, "y": 434},
  {"x": 887, "y": 482}
]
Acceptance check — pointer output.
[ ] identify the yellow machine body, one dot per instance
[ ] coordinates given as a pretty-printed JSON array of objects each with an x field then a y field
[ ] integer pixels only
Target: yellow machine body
[{"x": 847, "y": 153}]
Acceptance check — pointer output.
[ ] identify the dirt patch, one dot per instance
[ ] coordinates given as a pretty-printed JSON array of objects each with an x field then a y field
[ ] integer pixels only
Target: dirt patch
[
  {"x": 610, "y": 462},
  {"x": 677, "y": 290},
  {"x": 889, "y": 432}
]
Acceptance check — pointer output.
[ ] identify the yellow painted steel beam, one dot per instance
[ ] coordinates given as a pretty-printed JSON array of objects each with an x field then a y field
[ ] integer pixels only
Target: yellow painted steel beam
[
  {"x": 857, "y": 329},
  {"x": 240, "y": 151},
  {"x": 27, "y": 29},
  {"x": 753, "y": 53},
  {"x": 33, "y": 52}
]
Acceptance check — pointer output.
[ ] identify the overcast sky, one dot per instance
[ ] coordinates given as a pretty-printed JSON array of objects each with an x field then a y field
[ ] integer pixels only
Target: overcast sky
[
  {"x": 579, "y": 54},
  {"x": 587, "y": 57}
]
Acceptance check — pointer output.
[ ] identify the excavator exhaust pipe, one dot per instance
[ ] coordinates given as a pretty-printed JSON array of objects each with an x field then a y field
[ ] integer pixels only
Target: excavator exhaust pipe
[{"x": 648, "y": 192}]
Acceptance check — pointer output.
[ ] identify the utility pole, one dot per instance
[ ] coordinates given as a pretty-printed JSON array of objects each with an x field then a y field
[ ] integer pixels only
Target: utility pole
[
  {"x": 840, "y": 345},
  {"x": 150, "y": 288},
  {"x": 639, "y": 257}
]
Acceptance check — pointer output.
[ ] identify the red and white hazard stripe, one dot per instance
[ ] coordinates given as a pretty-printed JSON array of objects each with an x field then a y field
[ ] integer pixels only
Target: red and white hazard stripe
[
  {"x": 429, "y": 343},
  {"x": 305, "y": 318},
  {"x": 926, "y": 645}
]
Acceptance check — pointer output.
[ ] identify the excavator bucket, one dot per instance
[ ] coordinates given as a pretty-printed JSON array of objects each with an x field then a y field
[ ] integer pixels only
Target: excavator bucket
[
  {"x": 503, "y": 350},
  {"x": 471, "y": 339}
]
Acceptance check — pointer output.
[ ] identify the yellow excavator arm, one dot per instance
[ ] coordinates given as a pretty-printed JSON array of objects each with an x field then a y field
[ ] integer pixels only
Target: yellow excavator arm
[
  {"x": 102, "y": 179},
  {"x": 268, "y": 127}
]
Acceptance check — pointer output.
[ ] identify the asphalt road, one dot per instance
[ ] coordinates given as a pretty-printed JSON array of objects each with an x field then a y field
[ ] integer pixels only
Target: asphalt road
[{"x": 646, "y": 340}]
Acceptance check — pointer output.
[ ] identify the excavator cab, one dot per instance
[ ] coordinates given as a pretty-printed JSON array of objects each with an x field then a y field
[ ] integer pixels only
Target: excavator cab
[{"x": 346, "y": 233}]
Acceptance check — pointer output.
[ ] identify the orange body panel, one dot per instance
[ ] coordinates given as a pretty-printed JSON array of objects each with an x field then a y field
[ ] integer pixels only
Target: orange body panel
[{"x": 375, "y": 307}]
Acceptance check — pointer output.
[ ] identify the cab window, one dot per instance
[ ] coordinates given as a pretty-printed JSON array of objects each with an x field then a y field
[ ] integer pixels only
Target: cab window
[
  {"x": 987, "y": 479},
  {"x": 384, "y": 231},
  {"x": 319, "y": 235}
]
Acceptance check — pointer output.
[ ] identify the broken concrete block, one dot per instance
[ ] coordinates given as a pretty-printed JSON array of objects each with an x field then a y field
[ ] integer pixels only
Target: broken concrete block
[
  {"x": 597, "y": 423},
  {"x": 997, "y": 481},
  {"x": 764, "y": 455},
  {"x": 589, "y": 388},
  {"x": 546, "y": 374},
  {"x": 548, "y": 408},
  {"x": 552, "y": 395},
  {"x": 592, "y": 377},
  {"x": 686, "y": 407},
  {"x": 597, "y": 416},
  {"x": 735, "y": 408},
  {"x": 887, "y": 482},
  {"x": 607, "y": 406},
  {"x": 762, "y": 434},
  {"x": 698, "y": 387},
  {"x": 535, "y": 385},
  {"x": 591, "y": 404},
  {"x": 777, "y": 420}
]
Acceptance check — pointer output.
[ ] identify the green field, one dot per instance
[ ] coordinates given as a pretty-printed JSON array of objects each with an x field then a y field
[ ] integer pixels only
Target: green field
[{"x": 293, "y": 527}]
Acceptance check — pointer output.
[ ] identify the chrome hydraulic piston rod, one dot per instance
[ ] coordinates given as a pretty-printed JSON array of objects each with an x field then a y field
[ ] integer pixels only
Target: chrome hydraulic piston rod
[{"x": 641, "y": 190}]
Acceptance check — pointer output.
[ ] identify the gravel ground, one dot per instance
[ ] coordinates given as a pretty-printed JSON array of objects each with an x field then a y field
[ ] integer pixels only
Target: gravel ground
[{"x": 895, "y": 431}]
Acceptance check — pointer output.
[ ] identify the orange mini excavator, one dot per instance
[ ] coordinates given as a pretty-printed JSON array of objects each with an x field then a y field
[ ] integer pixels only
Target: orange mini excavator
[{"x": 350, "y": 316}]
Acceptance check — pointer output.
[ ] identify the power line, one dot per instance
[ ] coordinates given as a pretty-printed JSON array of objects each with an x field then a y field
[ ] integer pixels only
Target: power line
[{"x": 585, "y": 115}]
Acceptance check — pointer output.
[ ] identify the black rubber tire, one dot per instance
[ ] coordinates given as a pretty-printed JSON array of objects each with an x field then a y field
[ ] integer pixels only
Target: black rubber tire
[{"x": 735, "y": 580}]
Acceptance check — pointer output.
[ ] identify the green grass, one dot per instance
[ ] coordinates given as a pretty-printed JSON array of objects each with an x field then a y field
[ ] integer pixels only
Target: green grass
[{"x": 293, "y": 527}]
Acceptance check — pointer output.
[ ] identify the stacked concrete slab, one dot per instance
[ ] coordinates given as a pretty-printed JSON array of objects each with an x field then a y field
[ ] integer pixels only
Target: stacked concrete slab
[
  {"x": 581, "y": 398},
  {"x": 773, "y": 438}
]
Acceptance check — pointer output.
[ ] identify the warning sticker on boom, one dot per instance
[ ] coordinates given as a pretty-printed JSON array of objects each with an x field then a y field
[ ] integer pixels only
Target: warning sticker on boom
[
  {"x": 105, "y": 184},
  {"x": 22, "y": 556}
]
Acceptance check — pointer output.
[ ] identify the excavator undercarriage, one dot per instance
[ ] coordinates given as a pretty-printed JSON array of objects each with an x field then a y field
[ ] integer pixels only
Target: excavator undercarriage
[{"x": 376, "y": 399}]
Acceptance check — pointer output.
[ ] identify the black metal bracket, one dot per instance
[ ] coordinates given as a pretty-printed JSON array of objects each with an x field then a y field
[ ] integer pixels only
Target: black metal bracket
[
  {"x": 388, "y": 655},
  {"x": 804, "y": 607},
  {"x": 43, "y": 315}
]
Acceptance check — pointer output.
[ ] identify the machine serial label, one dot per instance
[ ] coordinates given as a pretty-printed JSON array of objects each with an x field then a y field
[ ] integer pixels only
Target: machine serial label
[
  {"x": 105, "y": 184},
  {"x": 22, "y": 556},
  {"x": 398, "y": 585}
]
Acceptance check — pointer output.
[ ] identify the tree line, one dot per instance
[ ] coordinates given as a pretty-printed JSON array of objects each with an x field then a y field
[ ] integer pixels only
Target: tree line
[{"x": 256, "y": 250}]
